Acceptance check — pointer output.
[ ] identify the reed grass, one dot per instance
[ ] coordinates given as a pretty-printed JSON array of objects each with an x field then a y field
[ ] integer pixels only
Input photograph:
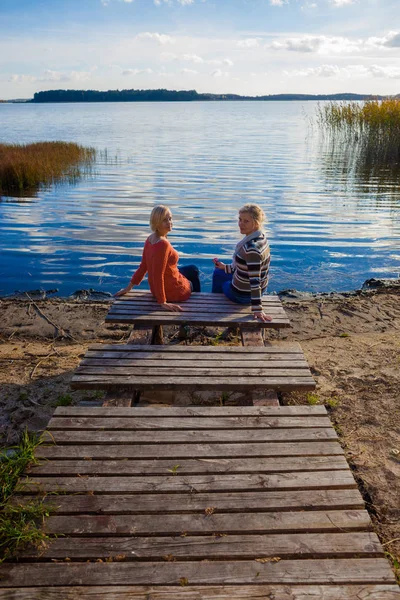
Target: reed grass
[
  {"x": 27, "y": 167},
  {"x": 370, "y": 130}
]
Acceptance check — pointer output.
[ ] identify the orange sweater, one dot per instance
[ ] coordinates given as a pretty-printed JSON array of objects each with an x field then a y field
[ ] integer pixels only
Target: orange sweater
[{"x": 160, "y": 262}]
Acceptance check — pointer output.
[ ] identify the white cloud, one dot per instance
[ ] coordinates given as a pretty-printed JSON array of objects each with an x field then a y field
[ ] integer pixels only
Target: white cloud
[
  {"x": 386, "y": 72},
  {"x": 391, "y": 40},
  {"x": 301, "y": 44},
  {"x": 169, "y": 2},
  {"x": 248, "y": 43},
  {"x": 188, "y": 72},
  {"x": 137, "y": 71},
  {"x": 161, "y": 38},
  {"x": 342, "y": 2},
  {"x": 320, "y": 44},
  {"x": 50, "y": 76},
  {"x": 199, "y": 60},
  {"x": 220, "y": 73},
  {"x": 193, "y": 58},
  {"x": 349, "y": 72},
  {"x": 278, "y": 2}
]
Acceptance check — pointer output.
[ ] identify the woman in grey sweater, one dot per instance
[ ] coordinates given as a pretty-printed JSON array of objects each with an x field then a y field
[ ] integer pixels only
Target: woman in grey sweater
[{"x": 246, "y": 279}]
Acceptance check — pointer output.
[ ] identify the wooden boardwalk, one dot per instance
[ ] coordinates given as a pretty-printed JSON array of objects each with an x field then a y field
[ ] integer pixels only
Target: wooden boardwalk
[{"x": 198, "y": 504}]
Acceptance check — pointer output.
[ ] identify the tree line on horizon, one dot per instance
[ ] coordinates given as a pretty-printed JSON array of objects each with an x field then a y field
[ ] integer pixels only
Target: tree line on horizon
[{"x": 163, "y": 95}]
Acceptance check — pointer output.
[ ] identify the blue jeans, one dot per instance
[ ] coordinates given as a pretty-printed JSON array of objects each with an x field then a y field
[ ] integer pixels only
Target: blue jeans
[
  {"x": 191, "y": 272},
  {"x": 222, "y": 284}
]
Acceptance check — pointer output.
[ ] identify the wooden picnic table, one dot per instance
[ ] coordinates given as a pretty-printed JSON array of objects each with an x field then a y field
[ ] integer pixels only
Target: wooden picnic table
[
  {"x": 141, "y": 308},
  {"x": 197, "y": 503}
]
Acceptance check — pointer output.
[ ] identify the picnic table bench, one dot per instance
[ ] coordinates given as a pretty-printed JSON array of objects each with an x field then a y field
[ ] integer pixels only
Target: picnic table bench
[
  {"x": 277, "y": 366},
  {"x": 141, "y": 308},
  {"x": 197, "y": 503}
]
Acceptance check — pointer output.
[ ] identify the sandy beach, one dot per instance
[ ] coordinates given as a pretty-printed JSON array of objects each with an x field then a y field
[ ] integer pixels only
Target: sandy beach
[{"x": 352, "y": 343}]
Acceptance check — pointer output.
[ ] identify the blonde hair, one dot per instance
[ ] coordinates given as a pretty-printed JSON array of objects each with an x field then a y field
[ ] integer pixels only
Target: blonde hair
[
  {"x": 157, "y": 216},
  {"x": 255, "y": 211}
]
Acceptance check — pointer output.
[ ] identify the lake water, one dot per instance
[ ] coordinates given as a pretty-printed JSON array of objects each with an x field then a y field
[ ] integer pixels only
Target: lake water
[{"x": 328, "y": 230}]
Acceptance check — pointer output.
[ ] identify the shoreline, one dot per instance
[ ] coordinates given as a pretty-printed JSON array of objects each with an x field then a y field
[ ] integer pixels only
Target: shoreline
[
  {"x": 371, "y": 285},
  {"x": 351, "y": 342}
]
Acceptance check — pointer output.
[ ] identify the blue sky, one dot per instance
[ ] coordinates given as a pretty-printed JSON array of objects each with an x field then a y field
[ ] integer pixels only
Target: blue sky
[{"x": 239, "y": 46}]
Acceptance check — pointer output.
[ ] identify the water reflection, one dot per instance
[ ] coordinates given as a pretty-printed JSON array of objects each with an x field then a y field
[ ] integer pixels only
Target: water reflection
[{"x": 327, "y": 229}]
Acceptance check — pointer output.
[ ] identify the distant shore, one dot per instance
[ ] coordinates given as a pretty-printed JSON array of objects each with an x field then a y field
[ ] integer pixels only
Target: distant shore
[{"x": 163, "y": 95}]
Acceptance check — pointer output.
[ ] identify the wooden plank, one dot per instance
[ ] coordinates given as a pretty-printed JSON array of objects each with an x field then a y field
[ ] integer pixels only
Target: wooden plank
[
  {"x": 204, "y": 297},
  {"x": 252, "y": 338},
  {"x": 271, "y": 347},
  {"x": 259, "y": 501},
  {"x": 194, "y": 423},
  {"x": 93, "y": 382},
  {"x": 188, "y": 466},
  {"x": 209, "y": 412},
  {"x": 242, "y": 547},
  {"x": 160, "y": 371},
  {"x": 206, "y": 319},
  {"x": 175, "y": 525},
  {"x": 226, "y": 592},
  {"x": 195, "y": 483},
  {"x": 190, "y": 437},
  {"x": 349, "y": 570},
  {"x": 193, "y": 363},
  {"x": 187, "y": 311},
  {"x": 171, "y": 357},
  {"x": 181, "y": 451}
]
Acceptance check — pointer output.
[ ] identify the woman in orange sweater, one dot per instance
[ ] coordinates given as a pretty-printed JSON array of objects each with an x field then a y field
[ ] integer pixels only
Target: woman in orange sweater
[{"x": 168, "y": 284}]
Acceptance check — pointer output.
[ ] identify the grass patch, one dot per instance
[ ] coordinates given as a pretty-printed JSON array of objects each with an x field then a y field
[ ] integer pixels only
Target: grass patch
[
  {"x": 63, "y": 400},
  {"x": 312, "y": 399},
  {"x": 25, "y": 168},
  {"x": 19, "y": 525}
]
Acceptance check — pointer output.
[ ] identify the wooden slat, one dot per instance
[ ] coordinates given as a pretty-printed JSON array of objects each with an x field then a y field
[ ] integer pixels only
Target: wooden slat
[
  {"x": 195, "y": 483},
  {"x": 186, "y": 363},
  {"x": 226, "y": 592},
  {"x": 179, "y": 451},
  {"x": 242, "y": 547},
  {"x": 270, "y": 348},
  {"x": 93, "y": 382},
  {"x": 163, "y": 371},
  {"x": 175, "y": 525},
  {"x": 178, "y": 318},
  {"x": 194, "y": 423},
  {"x": 191, "y": 437},
  {"x": 209, "y": 412},
  {"x": 189, "y": 466},
  {"x": 259, "y": 501},
  {"x": 366, "y": 570}
]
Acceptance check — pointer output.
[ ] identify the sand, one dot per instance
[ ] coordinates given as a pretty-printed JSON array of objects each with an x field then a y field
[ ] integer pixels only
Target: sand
[{"x": 352, "y": 344}]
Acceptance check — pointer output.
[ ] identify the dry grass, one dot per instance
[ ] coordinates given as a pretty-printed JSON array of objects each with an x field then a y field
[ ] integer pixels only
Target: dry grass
[{"x": 27, "y": 167}]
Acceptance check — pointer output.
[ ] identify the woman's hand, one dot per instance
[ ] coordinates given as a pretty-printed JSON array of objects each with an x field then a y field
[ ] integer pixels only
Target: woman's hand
[
  {"x": 261, "y": 316},
  {"x": 218, "y": 263},
  {"x": 124, "y": 291},
  {"x": 171, "y": 307}
]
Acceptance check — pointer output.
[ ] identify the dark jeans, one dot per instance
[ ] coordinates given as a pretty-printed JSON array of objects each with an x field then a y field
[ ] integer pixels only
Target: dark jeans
[
  {"x": 191, "y": 272},
  {"x": 221, "y": 284}
]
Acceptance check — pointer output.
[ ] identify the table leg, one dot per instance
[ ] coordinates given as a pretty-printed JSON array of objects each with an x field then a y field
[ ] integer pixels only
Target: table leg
[{"x": 254, "y": 337}]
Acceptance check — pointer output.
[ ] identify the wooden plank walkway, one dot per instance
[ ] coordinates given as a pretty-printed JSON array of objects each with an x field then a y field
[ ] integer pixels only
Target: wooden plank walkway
[
  {"x": 140, "y": 308},
  {"x": 275, "y": 366},
  {"x": 198, "y": 503}
]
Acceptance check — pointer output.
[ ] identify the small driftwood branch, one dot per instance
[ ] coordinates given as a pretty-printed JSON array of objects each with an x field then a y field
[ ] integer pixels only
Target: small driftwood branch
[{"x": 59, "y": 330}]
